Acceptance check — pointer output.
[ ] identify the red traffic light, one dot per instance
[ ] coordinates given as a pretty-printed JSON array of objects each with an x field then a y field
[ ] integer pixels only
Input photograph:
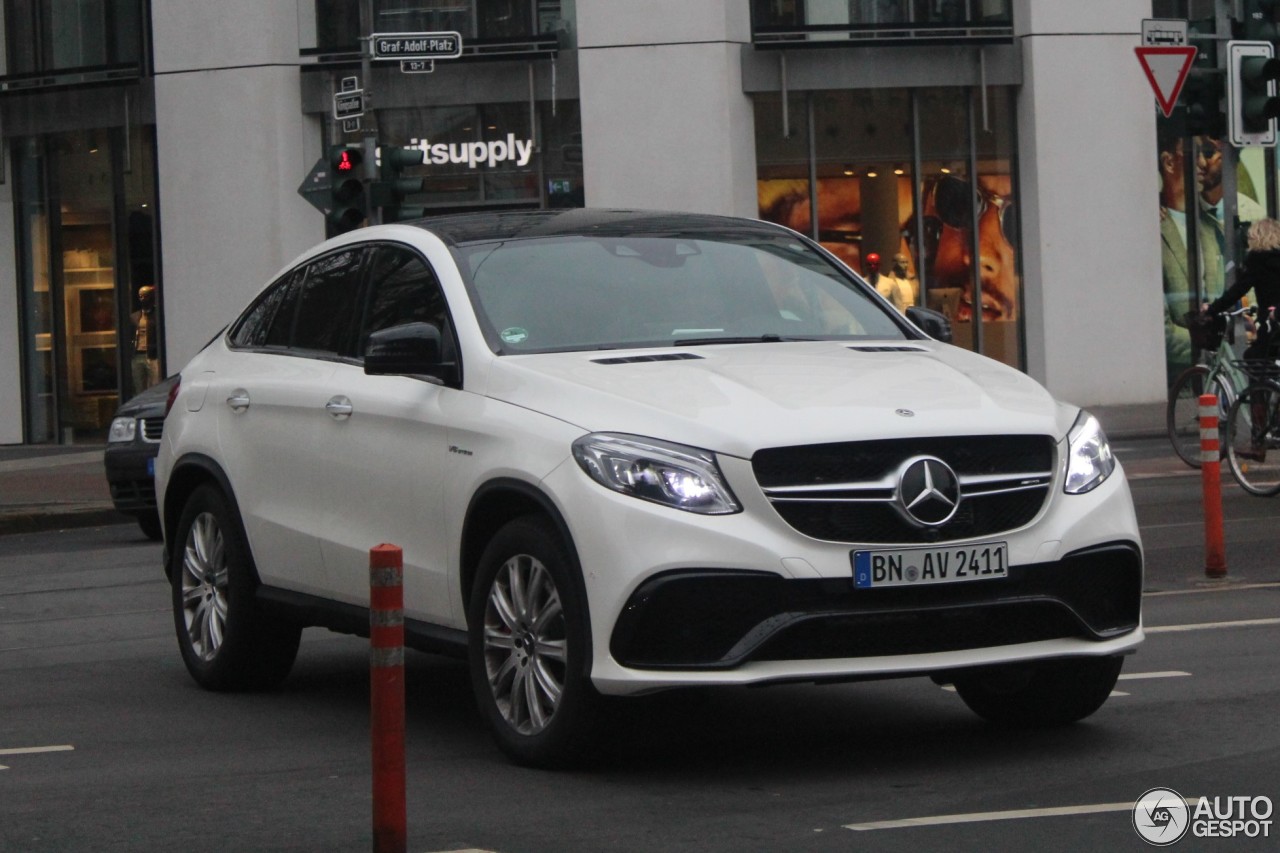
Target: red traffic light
[{"x": 345, "y": 158}]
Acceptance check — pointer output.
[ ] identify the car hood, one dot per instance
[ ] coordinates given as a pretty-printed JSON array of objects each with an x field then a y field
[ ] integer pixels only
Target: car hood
[
  {"x": 739, "y": 398},
  {"x": 150, "y": 403}
]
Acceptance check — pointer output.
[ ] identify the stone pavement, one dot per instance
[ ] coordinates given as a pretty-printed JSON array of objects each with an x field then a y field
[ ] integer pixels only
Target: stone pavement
[{"x": 49, "y": 487}]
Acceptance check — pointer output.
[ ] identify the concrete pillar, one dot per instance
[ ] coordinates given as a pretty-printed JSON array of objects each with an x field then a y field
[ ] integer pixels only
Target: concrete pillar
[
  {"x": 665, "y": 122},
  {"x": 1091, "y": 234}
]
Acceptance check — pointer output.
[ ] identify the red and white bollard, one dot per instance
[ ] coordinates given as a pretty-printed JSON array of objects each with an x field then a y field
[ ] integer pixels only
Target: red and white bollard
[
  {"x": 386, "y": 683},
  {"x": 1215, "y": 552}
]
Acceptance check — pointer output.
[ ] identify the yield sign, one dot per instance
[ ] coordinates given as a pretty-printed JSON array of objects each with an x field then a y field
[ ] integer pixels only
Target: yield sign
[{"x": 1166, "y": 68}]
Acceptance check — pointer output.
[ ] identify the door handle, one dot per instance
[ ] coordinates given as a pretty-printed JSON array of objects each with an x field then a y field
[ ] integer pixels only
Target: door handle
[
  {"x": 239, "y": 400},
  {"x": 339, "y": 408}
]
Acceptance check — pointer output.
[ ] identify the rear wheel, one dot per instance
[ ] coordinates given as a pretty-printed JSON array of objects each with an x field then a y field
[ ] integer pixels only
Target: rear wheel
[
  {"x": 226, "y": 642},
  {"x": 1045, "y": 693},
  {"x": 1252, "y": 440},
  {"x": 529, "y": 646},
  {"x": 1182, "y": 413}
]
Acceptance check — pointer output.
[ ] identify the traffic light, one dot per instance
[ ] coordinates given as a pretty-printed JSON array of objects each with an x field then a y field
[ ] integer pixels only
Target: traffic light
[
  {"x": 1202, "y": 102},
  {"x": 1258, "y": 20},
  {"x": 1252, "y": 105},
  {"x": 347, "y": 207},
  {"x": 389, "y": 191}
]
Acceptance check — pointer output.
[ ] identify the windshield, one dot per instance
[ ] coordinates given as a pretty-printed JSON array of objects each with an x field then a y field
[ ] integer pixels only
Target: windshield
[{"x": 611, "y": 292}]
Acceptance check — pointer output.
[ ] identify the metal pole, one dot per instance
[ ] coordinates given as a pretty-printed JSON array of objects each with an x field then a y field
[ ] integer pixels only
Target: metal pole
[{"x": 370, "y": 140}]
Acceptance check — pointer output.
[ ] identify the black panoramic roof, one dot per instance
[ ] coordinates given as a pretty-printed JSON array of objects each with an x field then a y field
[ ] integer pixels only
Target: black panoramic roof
[{"x": 470, "y": 228}]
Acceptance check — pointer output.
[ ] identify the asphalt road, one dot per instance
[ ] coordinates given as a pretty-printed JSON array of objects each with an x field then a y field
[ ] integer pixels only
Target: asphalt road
[{"x": 106, "y": 744}]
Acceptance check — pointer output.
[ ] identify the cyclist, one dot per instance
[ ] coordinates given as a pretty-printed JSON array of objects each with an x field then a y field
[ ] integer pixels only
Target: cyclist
[{"x": 1261, "y": 273}]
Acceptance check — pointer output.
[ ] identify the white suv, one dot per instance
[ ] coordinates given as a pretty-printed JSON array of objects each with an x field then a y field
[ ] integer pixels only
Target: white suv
[{"x": 625, "y": 451}]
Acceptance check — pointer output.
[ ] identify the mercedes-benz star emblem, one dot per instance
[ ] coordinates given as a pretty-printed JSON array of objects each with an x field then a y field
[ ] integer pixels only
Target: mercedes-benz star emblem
[{"x": 928, "y": 491}]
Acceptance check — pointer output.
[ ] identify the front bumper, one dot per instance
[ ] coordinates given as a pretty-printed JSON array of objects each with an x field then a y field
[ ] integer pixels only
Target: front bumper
[
  {"x": 133, "y": 487},
  {"x": 724, "y": 619}
]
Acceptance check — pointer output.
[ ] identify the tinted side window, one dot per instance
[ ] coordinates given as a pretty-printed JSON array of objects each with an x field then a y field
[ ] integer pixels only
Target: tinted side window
[
  {"x": 326, "y": 310},
  {"x": 282, "y": 323},
  {"x": 252, "y": 327},
  {"x": 403, "y": 289}
]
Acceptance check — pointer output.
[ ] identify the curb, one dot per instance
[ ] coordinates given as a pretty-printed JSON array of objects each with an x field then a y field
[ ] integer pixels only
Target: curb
[{"x": 28, "y": 520}]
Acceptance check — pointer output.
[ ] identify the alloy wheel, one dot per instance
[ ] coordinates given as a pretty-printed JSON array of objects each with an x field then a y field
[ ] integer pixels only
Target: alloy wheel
[
  {"x": 204, "y": 586},
  {"x": 525, "y": 644}
]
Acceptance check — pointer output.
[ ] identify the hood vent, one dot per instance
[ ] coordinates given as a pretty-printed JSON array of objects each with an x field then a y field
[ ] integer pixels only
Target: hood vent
[
  {"x": 633, "y": 359},
  {"x": 887, "y": 349}
]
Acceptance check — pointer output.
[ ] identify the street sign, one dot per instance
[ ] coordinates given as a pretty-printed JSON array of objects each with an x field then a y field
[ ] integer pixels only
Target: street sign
[
  {"x": 417, "y": 66},
  {"x": 348, "y": 104},
  {"x": 416, "y": 45},
  {"x": 315, "y": 186},
  {"x": 351, "y": 125},
  {"x": 350, "y": 84},
  {"x": 1166, "y": 69},
  {"x": 1164, "y": 32}
]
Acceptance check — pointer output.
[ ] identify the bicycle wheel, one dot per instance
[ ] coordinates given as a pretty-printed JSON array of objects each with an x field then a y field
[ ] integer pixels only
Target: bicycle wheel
[
  {"x": 1252, "y": 439},
  {"x": 1182, "y": 413}
]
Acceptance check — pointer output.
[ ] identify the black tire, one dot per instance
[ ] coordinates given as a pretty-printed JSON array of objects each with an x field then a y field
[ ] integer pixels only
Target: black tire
[
  {"x": 530, "y": 649},
  {"x": 1182, "y": 412},
  {"x": 1253, "y": 449},
  {"x": 1041, "y": 694},
  {"x": 226, "y": 642},
  {"x": 149, "y": 524}
]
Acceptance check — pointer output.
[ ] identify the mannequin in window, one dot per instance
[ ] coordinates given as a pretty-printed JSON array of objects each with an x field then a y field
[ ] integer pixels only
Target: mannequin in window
[
  {"x": 145, "y": 364},
  {"x": 898, "y": 286}
]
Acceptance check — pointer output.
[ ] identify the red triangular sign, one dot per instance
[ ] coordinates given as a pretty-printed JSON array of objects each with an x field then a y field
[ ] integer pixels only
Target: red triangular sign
[{"x": 1166, "y": 69}]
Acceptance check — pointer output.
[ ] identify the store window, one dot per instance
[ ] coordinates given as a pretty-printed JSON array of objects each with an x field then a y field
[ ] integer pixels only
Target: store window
[
  {"x": 89, "y": 284},
  {"x": 491, "y": 156},
  {"x": 334, "y": 25},
  {"x": 907, "y": 187}
]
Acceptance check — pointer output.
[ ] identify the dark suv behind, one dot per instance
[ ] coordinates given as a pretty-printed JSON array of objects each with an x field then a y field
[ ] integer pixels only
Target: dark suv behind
[{"x": 132, "y": 443}]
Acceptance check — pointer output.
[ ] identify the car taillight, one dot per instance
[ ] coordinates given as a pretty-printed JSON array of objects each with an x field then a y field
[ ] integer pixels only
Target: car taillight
[{"x": 173, "y": 395}]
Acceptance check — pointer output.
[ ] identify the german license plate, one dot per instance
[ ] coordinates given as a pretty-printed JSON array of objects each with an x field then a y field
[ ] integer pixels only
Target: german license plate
[{"x": 921, "y": 566}]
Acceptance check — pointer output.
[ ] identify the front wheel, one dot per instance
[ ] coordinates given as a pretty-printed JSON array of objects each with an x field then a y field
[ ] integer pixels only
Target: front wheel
[
  {"x": 1182, "y": 412},
  {"x": 226, "y": 642},
  {"x": 529, "y": 647},
  {"x": 1252, "y": 440},
  {"x": 1045, "y": 693}
]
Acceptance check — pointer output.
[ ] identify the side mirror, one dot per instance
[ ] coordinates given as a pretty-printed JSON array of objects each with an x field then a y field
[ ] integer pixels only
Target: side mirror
[
  {"x": 413, "y": 349},
  {"x": 933, "y": 323}
]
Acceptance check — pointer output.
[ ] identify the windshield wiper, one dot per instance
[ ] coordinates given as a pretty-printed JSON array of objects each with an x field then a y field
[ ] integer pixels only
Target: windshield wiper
[{"x": 744, "y": 339}]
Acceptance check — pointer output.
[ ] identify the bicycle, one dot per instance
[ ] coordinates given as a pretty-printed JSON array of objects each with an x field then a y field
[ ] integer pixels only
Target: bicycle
[
  {"x": 1218, "y": 373},
  {"x": 1252, "y": 435}
]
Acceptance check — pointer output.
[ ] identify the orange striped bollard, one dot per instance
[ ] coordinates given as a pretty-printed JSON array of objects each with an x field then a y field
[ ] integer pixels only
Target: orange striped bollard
[
  {"x": 1215, "y": 552},
  {"x": 386, "y": 683}
]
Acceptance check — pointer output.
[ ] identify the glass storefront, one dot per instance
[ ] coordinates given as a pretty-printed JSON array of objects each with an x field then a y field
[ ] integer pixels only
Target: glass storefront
[
  {"x": 489, "y": 156},
  {"x": 89, "y": 287},
  {"x": 907, "y": 187}
]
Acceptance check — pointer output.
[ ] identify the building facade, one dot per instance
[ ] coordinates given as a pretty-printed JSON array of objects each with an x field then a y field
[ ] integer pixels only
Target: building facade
[{"x": 161, "y": 161}]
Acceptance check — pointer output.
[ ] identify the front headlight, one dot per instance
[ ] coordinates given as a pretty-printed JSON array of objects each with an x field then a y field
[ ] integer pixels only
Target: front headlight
[
  {"x": 122, "y": 429},
  {"x": 1089, "y": 459},
  {"x": 682, "y": 477}
]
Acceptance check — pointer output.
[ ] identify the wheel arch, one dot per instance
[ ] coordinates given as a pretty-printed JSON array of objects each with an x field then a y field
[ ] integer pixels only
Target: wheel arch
[
  {"x": 189, "y": 473},
  {"x": 493, "y": 505}
]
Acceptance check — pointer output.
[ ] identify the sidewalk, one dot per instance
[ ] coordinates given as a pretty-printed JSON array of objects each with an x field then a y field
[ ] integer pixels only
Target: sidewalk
[{"x": 50, "y": 487}]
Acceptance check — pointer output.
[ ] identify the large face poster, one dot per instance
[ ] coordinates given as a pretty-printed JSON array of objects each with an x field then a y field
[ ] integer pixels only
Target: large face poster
[
  {"x": 861, "y": 217},
  {"x": 1190, "y": 279}
]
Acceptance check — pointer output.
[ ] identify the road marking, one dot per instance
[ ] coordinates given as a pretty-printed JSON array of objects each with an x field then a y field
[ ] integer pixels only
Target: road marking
[
  {"x": 1168, "y": 674},
  {"x": 31, "y": 750},
  {"x": 983, "y": 817},
  {"x": 1208, "y": 626},
  {"x": 1218, "y": 587}
]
